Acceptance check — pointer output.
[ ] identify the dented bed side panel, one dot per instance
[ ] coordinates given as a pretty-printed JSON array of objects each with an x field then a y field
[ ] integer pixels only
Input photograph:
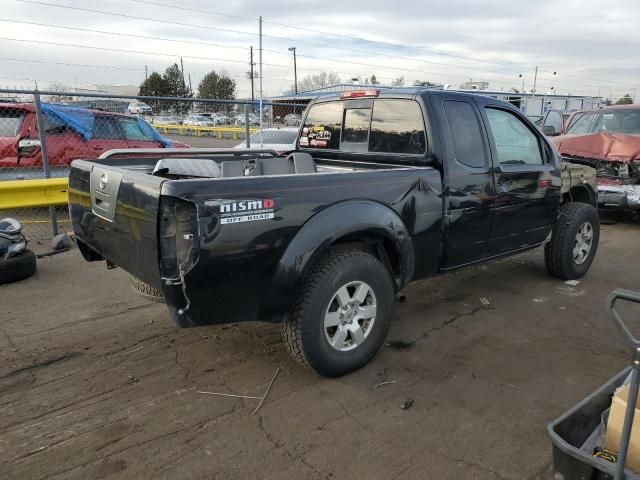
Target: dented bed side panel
[{"x": 247, "y": 267}]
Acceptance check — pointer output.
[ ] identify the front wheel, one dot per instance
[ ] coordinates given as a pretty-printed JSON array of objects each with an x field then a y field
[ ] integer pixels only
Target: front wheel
[
  {"x": 574, "y": 241},
  {"x": 342, "y": 313}
]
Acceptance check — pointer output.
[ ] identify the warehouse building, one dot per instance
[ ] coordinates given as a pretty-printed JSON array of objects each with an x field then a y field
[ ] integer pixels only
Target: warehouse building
[{"x": 530, "y": 104}]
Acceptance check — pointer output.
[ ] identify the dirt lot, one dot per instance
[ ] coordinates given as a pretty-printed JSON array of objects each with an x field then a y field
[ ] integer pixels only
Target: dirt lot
[{"x": 97, "y": 383}]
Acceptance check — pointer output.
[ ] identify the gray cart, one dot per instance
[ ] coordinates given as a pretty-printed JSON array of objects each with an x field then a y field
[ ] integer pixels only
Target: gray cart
[{"x": 570, "y": 431}]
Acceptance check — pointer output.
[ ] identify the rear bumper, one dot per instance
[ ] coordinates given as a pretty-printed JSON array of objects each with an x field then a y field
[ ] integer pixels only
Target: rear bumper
[{"x": 619, "y": 196}]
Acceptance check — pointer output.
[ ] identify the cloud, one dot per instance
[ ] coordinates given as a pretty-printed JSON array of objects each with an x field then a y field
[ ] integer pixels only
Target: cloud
[{"x": 586, "y": 42}]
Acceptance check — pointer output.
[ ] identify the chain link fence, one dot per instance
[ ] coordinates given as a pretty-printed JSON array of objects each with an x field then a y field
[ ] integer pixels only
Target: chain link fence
[{"x": 41, "y": 133}]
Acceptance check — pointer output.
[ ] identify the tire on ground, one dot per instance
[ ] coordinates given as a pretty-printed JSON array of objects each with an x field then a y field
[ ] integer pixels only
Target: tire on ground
[
  {"x": 146, "y": 291},
  {"x": 17, "y": 268},
  {"x": 559, "y": 251},
  {"x": 304, "y": 330}
]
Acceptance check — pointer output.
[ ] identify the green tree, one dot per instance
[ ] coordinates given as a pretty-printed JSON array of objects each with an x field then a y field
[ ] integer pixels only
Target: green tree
[
  {"x": 626, "y": 100},
  {"x": 374, "y": 80},
  {"x": 176, "y": 87},
  {"x": 154, "y": 86},
  {"x": 607, "y": 102},
  {"x": 218, "y": 86}
]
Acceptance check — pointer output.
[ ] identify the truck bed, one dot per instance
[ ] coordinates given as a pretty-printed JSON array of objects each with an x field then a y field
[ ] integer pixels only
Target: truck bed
[{"x": 172, "y": 230}]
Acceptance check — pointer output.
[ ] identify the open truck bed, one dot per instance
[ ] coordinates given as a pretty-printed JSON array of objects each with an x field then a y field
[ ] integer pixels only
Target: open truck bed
[{"x": 230, "y": 248}]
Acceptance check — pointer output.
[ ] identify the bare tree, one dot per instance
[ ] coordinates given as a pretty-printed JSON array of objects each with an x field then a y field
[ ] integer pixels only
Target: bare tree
[
  {"x": 316, "y": 80},
  {"x": 59, "y": 87},
  {"x": 398, "y": 82}
]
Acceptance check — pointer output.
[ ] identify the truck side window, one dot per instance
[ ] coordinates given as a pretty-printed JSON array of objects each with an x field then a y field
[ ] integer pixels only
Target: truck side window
[
  {"x": 515, "y": 143},
  {"x": 322, "y": 126},
  {"x": 356, "y": 125},
  {"x": 132, "y": 130},
  {"x": 397, "y": 127},
  {"x": 106, "y": 128},
  {"x": 465, "y": 133}
]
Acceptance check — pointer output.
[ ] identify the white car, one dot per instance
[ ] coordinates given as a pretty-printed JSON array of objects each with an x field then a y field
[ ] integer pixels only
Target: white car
[
  {"x": 253, "y": 119},
  {"x": 139, "y": 108},
  {"x": 198, "y": 121},
  {"x": 292, "y": 120},
  {"x": 279, "y": 139}
]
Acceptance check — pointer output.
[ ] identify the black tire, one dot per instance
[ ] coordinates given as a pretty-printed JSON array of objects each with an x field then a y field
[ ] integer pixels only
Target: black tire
[
  {"x": 146, "y": 291},
  {"x": 18, "y": 268},
  {"x": 304, "y": 331},
  {"x": 558, "y": 252}
]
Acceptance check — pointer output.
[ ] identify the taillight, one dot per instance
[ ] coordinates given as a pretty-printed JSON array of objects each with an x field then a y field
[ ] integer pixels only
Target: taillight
[
  {"x": 28, "y": 147},
  {"x": 361, "y": 93},
  {"x": 178, "y": 237}
]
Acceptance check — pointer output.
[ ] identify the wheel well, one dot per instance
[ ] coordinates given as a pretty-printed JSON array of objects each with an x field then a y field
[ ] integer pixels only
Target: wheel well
[
  {"x": 580, "y": 194},
  {"x": 377, "y": 245}
]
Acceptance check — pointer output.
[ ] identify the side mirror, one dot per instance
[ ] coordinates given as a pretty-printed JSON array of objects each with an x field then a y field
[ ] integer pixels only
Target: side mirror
[{"x": 549, "y": 131}]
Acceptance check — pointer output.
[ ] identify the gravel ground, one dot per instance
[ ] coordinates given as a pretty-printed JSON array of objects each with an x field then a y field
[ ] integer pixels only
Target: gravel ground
[{"x": 97, "y": 383}]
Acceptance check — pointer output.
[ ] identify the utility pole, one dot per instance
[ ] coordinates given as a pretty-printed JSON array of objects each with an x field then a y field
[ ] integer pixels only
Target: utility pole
[
  {"x": 260, "y": 83},
  {"x": 182, "y": 70},
  {"x": 146, "y": 72},
  {"x": 295, "y": 70},
  {"x": 251, "y": 74},
  {"x": 190, "y": 89}
]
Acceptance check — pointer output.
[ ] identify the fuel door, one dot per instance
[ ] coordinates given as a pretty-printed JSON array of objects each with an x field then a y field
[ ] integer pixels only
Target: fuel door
[{"x": 104, "y": 185}]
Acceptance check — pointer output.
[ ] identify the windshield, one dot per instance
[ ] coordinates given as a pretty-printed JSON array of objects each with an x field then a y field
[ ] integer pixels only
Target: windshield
[
  {"x": 275, "y": 136},
  {"x": 10, "y": 123},
  {"x": 620, "y": 121}
]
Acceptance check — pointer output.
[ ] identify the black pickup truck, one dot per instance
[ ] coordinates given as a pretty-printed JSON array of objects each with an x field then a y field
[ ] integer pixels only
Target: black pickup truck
[{"x": 385, "y": 187}]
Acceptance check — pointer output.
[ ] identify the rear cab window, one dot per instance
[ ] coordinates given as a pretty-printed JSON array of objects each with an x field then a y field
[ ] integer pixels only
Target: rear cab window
[
  {"x": 322, "y": 126},
  {"x": 11, "y": 122},
  {"x": 366, "y": 126}
]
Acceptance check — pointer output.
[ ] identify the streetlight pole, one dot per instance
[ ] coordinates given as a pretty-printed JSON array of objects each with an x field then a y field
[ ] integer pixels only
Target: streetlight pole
[
  {"x": 295, "y": 70},
  {"x": 522, "y": 89}
]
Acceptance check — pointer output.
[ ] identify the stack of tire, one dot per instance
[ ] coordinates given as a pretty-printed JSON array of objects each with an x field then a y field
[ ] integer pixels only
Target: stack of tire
[{"x": 17, "y": 268}]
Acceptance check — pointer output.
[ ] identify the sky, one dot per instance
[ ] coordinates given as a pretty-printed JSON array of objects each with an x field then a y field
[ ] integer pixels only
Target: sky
[{"x": 592, "y": 46}]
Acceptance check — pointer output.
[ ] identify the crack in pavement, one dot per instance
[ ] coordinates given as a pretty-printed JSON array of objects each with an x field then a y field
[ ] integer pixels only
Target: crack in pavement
[
  {"x": 404, "y": 345},
  {"x": 43, "y": 363}
]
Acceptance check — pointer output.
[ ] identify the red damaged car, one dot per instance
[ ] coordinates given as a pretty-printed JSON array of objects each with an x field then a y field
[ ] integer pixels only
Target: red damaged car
[
  {"x": 71, "y": 132},
  {"x": 608, "y": 139}
]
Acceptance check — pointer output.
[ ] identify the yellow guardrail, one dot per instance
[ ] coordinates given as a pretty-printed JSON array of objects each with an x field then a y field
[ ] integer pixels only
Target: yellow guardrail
[
  {"x": 33, "y": 193},
  {"x": 235, "y": 132}
]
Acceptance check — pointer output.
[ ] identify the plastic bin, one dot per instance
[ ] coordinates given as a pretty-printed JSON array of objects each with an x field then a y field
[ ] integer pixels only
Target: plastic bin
[{"x": 569, "y": 432}]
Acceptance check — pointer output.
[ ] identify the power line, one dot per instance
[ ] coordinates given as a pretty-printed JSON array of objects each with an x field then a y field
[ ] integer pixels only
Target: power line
[
  {"x": 122, "y": 15},
  {"x": 307, "y": 29},
  {"x": 67, "y": 64},
  {"x": 119, "y": 34},
  {"x": 246, "y": 33},
  {"x": 210, "y": 44}
]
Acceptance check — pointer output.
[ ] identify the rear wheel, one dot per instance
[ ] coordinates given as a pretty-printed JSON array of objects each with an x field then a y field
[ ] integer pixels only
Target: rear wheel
[
  {"x": 342, "y": 313},
  {"x": 574, "y": 241}
]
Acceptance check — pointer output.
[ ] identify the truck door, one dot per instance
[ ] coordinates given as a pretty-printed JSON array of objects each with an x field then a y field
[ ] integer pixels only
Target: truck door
[
  {"x": 469, "y": 184},
  {"x": 527, "y": 181}
]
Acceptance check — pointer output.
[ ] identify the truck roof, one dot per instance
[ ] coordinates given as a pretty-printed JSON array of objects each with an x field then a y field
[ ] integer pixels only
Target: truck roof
[{"x": 408, "y": 92}]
